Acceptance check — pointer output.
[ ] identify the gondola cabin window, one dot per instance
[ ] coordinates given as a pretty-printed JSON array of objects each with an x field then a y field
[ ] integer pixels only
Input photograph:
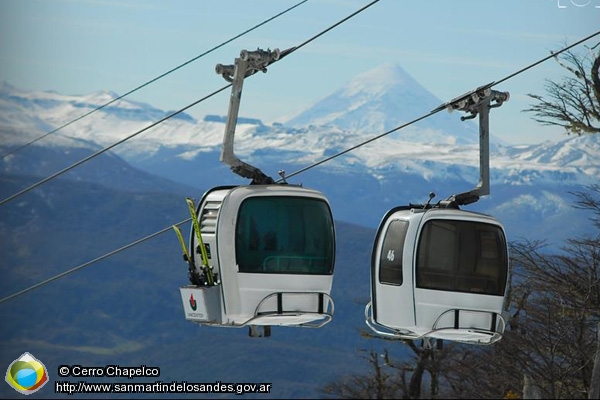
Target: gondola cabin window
[
  {"x": 285, "y": 234},
  {"x": 462, "y": 256},
  {"x": 390, "y": 269}
]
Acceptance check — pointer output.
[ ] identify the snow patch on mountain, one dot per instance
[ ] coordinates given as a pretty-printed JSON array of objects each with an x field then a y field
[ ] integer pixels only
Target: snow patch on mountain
[
  {"x": 362, "y": 116},
  {"x": 383, "y": 99},
  {"x": 370, "y": 165}
]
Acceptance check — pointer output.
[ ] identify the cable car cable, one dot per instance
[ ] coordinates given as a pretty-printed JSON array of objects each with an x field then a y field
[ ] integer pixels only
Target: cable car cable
[
  {"x": 552, "y": 54},
  {"x": 55, "y": 175},
  {"x": 360, "y": 144},
  {"x": 152, "y": 80},
  {"x": 91, "y": 156},
  {"x": 289, "y": 51},
  {"x": 438, "y": 109},
  {"x": 88, "y": 263},
  {"x": 287, "y": 176}
]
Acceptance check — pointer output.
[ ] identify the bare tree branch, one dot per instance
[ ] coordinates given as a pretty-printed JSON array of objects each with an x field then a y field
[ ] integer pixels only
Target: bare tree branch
[{"x": 573, "y": 104}]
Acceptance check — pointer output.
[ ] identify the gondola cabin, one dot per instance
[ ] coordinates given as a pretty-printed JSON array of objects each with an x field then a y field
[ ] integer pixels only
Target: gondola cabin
[
  {"x": 271, "y": 248},
  {"x": 439, "y": 273}
]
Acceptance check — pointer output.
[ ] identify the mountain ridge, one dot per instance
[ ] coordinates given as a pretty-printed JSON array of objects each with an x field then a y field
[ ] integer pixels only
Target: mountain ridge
[
  {"x": 376, "y": 175},
  {"x": 308, "y": 141}
]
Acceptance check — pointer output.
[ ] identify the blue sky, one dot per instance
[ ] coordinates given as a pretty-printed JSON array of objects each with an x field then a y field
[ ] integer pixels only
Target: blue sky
[{"x": 450, "y": 47}]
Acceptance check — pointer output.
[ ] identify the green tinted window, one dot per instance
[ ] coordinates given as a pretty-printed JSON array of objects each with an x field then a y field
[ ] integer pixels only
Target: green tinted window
[
  {"x": 283, "y": 234},
  {"x": 462, "y": 256},
  {"x": 390, "y": 265}
]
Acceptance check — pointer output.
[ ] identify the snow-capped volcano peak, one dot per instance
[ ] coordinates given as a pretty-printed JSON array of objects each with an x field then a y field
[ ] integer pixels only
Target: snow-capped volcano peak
[
  {"x": 385, "y": 98},
  {"x": 101, "y": 97},
  {"x": 379, "y": 80}
]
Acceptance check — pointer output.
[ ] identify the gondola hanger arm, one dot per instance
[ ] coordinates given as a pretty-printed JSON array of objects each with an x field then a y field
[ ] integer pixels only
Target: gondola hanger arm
[
  {"x": 477, "y": 102},
  {"x": 247, "y": 64}
]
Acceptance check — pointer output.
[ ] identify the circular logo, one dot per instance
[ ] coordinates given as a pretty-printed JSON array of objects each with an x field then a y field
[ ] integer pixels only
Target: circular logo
[{"x": 26, "y": 374}]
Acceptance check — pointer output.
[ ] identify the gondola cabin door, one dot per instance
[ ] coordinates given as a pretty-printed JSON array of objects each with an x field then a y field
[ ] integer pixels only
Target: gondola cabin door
[{"x": 392, "y": 273}]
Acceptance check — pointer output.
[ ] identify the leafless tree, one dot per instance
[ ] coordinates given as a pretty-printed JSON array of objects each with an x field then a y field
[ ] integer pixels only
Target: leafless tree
[
  {"x": 574, "y": 102},
  {"x": 415, "y": 378}
]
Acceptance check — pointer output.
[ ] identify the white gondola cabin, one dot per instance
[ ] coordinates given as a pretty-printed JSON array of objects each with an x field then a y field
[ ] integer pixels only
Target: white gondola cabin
[
  {"x": 272, "y": 247},
  {"x": 261, "y": 254},
  {"x": 439, "y": 272}
]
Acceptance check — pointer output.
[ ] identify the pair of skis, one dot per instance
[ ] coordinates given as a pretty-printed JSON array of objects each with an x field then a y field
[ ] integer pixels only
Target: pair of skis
[{"x": 208, "y": 277}]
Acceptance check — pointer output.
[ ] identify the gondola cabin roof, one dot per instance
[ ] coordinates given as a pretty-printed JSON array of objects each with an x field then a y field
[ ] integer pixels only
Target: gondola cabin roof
[{"x": 417, "y": 212}]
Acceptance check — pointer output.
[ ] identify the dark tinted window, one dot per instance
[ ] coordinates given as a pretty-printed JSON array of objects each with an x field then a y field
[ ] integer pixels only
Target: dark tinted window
[
  {"x": 462, "y": 256},
  {"x": 292, "y": 235},
  {"x": 390, "y": 262}
]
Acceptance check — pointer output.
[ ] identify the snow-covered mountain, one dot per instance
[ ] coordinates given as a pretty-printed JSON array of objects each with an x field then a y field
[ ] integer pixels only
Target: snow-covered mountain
[
  {"x": 369, "y": 105},
  {"x": 382, "y": 99},
  {"x": 530, "y": 184}
]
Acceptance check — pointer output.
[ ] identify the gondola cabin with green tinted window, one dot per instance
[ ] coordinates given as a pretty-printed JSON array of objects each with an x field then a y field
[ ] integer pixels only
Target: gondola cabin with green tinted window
[
  {"x": 439, "y": 273},
  {"x": 272, "y": 248}
]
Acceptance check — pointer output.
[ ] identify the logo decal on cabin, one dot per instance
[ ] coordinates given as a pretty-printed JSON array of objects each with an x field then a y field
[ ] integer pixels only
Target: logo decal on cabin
[{"x": 193, "y": 303}]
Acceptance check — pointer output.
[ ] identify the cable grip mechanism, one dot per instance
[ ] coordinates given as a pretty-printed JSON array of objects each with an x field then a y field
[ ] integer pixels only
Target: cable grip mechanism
[{"x": 254, "y": 61}]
